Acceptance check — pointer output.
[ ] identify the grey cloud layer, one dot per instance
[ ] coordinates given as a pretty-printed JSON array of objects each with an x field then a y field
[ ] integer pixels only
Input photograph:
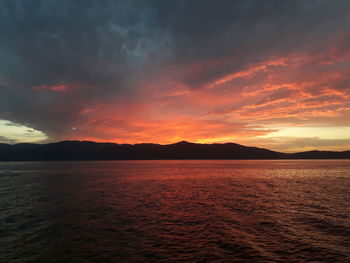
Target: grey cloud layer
[{"x": 104, "y": 48}]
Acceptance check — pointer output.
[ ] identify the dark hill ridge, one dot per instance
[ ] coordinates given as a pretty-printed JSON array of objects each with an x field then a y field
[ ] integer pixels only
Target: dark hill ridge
[{"x": 86, "y": 150}]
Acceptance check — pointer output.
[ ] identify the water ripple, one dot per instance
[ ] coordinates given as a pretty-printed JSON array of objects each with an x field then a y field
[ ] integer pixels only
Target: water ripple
[{"x": 175, "y": 211}]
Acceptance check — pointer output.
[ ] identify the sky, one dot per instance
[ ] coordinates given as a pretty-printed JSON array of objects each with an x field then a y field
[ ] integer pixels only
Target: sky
[{"x": 272, "y": 74}]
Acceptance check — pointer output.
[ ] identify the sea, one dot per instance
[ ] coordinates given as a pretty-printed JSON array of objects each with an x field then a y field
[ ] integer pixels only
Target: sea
[{"x": 175, "y": 211}]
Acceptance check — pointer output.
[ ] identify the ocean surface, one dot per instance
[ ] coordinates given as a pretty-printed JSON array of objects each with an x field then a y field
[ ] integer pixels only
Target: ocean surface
[{"x": 175, "y": 211}]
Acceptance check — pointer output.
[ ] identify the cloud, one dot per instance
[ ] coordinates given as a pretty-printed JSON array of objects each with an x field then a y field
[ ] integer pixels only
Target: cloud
[
  {"x": 293, "y": 92},
  {"x": 95, "y": 50},
  {"x": 7, "y": 140},
  {"x": 228, "y": 64}
]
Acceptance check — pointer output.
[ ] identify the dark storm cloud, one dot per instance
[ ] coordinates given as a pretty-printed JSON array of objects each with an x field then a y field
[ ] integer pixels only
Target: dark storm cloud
[
  {"x": 249, "y": 31},
  {"x": 102, "y": 49},
  {"x": 93, "y": 42},
  {"x": 98, "y": 48}
]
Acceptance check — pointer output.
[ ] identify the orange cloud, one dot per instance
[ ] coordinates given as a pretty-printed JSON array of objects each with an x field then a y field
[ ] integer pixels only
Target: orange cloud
[{"x": 295, "y": 89}]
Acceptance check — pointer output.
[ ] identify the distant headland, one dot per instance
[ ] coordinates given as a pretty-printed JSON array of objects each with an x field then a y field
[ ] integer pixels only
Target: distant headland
[{"x": 87, "y": 150}]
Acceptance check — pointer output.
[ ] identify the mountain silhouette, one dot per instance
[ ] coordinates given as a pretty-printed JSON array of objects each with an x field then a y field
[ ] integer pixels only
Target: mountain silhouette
[{"x": 87, "y": 150}]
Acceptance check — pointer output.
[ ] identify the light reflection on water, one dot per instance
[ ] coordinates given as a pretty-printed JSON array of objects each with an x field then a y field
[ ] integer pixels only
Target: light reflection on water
[{"x": 175, "y": 211}]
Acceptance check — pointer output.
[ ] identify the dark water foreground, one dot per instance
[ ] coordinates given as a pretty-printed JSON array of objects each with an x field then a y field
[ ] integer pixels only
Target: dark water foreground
[{"x": 175, "y": 211}]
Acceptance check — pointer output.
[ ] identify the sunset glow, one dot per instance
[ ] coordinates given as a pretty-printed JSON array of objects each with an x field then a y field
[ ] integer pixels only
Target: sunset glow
[{"x": 163, "y": 74}]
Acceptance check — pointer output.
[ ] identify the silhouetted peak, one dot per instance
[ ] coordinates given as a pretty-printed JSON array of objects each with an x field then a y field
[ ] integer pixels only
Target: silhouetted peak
[{"x": 183, "y": 143}]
